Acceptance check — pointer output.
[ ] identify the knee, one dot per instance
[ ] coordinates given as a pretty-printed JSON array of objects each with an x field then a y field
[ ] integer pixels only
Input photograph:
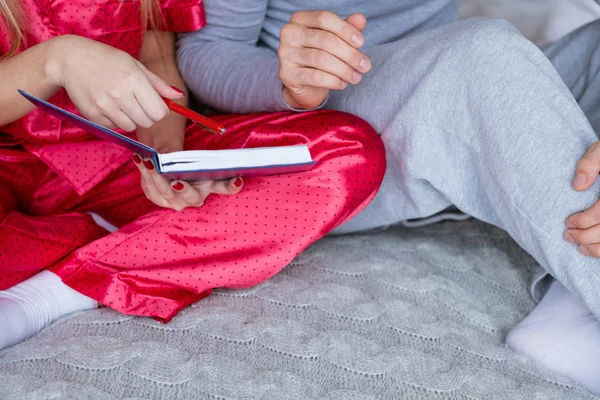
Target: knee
[
  {"x": 351, "y": 153},
  {"x": 484, "y": 35},
  {"x": 488, "y": 28},
  {"x": 362, "y": 132},
  {"x": 345, "y": 133},
  {"x": 363, "y": 144},
  {"x": 482, "y": 46}
]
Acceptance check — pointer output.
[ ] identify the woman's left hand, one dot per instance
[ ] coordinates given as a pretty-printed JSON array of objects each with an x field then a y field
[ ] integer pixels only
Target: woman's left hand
[
  {"x": 167, "y": 135},
  {"x": 583, "y": 228},
  {"x": 178, "y": 195}
]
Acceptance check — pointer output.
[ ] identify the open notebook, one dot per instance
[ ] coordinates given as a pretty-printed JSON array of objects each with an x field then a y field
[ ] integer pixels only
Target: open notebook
[{"x": 196, "y": 165}]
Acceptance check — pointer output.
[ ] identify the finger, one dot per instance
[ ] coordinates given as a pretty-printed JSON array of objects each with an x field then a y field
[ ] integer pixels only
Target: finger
[
  {"x": 121, "y": 120},
  {"x": 587, "y": 168},
  {"x": 137, "y": 160},
  {"x": 583, "y": 236},
  {"x": 188, "y": 193},
  {"x": 148, "y": 97},
  {"x": 324, "y": 61},
  {"x": 585, "y": 219},
  {"x": 95, "y": 115},
  {"x": 328, "y": 21},
  {"x": 225, "y": 186},
  {"x": 590, "y": 250},
  {"x": 231, "y": 186},
  {"x": 148, "y": 185},
  {"x": 330, "y": 43},
  {"x": 132, "y": 108},
  {"x": 358, "y": 21},
  {"x": 152, "y": 194},
  {"x": 107, "y": 106},
  {"x": 300, "y": 77},
  {"x": 161, "y": 87},
  {"x": 161, "y": 184},
  {"x": 102, "y": 120}
]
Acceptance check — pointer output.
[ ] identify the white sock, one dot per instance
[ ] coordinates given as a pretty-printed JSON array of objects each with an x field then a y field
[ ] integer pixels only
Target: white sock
[
  {"x": 33, "y": 304},
  {"x": 101, "y": 222},
  {"x": 562, "y": 335}
]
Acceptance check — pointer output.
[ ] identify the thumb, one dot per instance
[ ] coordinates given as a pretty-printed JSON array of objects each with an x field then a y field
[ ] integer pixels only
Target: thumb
[
  {"x": 161, "y": 87},
  {"x": 358, "y": 21}
]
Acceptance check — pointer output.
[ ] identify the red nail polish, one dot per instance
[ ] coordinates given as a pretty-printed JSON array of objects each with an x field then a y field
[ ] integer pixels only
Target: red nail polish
[
  {"x": 178, "y": 186},
  {"x": 148, "y": 164},
  {"x": 238, "y": 182},
  {"x": 175, "y": 88},
  {"x": 136, "y": 159}
]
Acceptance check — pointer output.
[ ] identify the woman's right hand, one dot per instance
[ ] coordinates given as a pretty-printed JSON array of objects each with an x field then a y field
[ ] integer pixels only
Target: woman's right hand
[{"x": 107, "y": 85}]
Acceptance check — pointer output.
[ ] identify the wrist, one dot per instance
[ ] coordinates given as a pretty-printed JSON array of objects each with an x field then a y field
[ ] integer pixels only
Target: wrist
[
  {"x": 56, "y": 58},
  {"x": 289, "y": 99},
  {"x": 295, "y": 104}
]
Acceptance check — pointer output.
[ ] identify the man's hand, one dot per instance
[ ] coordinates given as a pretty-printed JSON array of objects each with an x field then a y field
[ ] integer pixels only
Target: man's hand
[
  {"x": 318, "y": 52},
  {"x": 584, "y": 227}
]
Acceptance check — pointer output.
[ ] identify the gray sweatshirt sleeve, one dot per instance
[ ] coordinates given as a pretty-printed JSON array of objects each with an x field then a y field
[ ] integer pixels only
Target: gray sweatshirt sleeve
[{"x": 222, "y": 64}]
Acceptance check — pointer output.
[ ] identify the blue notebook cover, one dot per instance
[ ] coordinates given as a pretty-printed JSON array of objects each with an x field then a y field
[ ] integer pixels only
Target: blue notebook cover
[
  {"x": 109, "y": 135},
  {"x": 91, "y": 127}
]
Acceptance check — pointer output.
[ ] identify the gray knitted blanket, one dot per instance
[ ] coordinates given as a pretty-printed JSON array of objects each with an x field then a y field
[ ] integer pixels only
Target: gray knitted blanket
[{"x": 401, "y": 314}]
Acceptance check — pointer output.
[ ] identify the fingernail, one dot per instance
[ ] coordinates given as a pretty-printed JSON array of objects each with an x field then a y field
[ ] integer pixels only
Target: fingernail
[
  {"x": 148, "y": 164},
  {"x": 365, "y": 64},
  {"x": 356, "y": 77},
  {"x": 175, "y": 88},
  {"x": 357, "y": 40},
  {"x": 178, "y": 186},
  {"x": 238, "y": 182},
  {"x": 343, "y": 85},
  {"x": 136, "y": 159},
  {"x": 579, "y": 180},
  {"x": 570, "y": 224},
  {"x": 584, "y": 250},
  {"x": 569, "y": 238}
]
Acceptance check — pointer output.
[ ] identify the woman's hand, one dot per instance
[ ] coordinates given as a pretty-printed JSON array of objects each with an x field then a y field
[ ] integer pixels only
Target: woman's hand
[
  {"x": 166, "y": 136},
  {"x": 584, "y": 227},
  {"x": 318, "y": 52},
  {"x": 107, "y": 85},
  {"x": 178, "y": 195}
]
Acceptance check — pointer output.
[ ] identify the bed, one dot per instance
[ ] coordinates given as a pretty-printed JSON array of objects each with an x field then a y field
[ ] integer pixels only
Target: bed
[{"x": 406, "y": 313}]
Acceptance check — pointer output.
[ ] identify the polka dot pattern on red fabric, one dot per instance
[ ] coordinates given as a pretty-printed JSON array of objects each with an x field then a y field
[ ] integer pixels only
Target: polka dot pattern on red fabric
[{"x": 160, "y": 260}]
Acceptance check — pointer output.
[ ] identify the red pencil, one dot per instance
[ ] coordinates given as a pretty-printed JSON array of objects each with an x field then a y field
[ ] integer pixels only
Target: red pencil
[{"x": 198, "y": 119}]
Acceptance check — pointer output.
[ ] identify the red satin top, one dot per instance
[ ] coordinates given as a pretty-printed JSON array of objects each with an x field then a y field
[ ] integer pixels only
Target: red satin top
[{"x": 81, "y": 161}]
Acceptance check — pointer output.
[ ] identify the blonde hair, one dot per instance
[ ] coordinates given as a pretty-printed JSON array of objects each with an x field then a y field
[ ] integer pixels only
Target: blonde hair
[
  {"x": 13, "y": 18},
  {"x": 12, "y": 12}
]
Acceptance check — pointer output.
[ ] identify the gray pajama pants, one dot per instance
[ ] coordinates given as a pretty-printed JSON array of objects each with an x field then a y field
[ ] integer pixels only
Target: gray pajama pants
[{"x": 474, "y": 115}]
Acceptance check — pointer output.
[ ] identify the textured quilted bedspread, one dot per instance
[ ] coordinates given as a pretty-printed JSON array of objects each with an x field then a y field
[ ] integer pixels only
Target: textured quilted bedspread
[{"x": 402, "y": 314}]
